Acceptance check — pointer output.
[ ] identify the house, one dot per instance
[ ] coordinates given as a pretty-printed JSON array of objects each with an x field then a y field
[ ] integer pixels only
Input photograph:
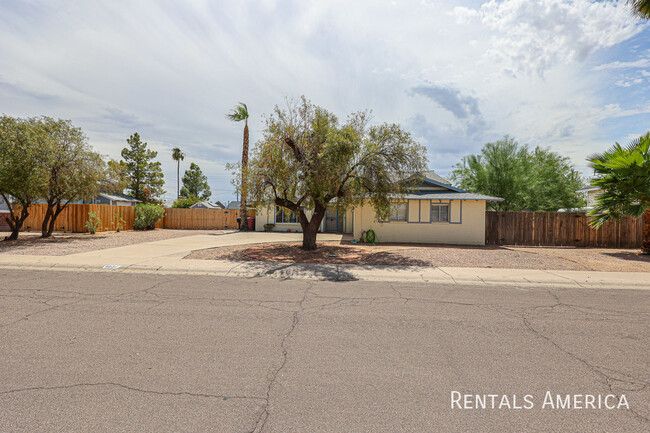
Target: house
[
  {"x": 233, "y": 205},
  {"x": 4, "y": 212},
  {"x": 591, "y": 192},
  {"x": 208, "y": 205},
  {"x": 432, "y": 212},
  {"x": 113, "y": 199}
]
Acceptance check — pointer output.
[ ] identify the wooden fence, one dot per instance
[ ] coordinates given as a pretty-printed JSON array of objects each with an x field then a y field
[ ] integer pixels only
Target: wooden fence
[
  {"x": 560, "y": 229},
  {"x": 74, "y": 217}
]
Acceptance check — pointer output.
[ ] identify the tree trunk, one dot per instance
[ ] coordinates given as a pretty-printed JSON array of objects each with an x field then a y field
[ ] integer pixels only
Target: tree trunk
[
  {"x": 646, "y": 232},
  {"x": 56, "y": 214},
  {"x": 178, "y": 179},
  {"x": 16, "y": 223},
  {"x": 45, "y": 232},
  {"x": 310, "y": 229},
  {"x": 243, "y": 225}
]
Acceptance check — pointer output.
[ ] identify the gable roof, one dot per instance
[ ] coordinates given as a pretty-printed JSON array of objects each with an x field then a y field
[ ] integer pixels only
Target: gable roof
[{"x": 118, "y": 197}]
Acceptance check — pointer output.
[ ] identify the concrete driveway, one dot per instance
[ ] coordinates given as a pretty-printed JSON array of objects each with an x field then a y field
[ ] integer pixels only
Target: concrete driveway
[{"x": 85, "y": 351}]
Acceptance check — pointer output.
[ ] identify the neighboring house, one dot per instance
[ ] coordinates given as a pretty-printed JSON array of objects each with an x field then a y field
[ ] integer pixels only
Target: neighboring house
[
  {"x": 432, "y": 212},
  {"x": 4, "y": 211},
  {"x": 113, "y": 199},
  {"x": 591, "y": 192},
  {"x": 208, "y": 205},
  {"x": 233, "y": 205}
]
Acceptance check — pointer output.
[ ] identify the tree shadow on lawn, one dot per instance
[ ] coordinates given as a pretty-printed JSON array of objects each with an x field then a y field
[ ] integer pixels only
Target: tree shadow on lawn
[{"x": 34, "y": 239}]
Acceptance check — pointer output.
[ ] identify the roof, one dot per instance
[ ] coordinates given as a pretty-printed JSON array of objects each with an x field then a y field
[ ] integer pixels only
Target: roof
[
  {"x": 233, "y": 205},
  {"x": 450, "y": 195},
  {"x": 589, "y": 188},
  {"x": 208, "y": 205},
  {"x": 432, "y": 175},
  {"x": 118, "y": 197}
]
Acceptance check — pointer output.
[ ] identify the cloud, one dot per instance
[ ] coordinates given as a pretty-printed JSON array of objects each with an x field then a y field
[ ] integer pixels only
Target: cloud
[{"x": 641, "y": 63}]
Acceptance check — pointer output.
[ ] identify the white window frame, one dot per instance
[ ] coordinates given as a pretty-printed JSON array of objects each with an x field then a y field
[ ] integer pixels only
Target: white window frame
[
  {"x": 395, "y": 212},
  {"x": 284, "y": 210},
  {"x": 436, "y": 209}
]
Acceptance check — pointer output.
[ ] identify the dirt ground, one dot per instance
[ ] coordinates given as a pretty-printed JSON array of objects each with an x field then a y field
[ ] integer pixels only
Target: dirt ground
[
  {"x": 61, "y": 244},
  {"x": 558, "y": 258}
]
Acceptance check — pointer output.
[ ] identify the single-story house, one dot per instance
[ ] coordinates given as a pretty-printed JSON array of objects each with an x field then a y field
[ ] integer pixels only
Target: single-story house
[
  {"x": 432, "y": 212},
  {"x": 207, "y": 205},
  {"x": 113, "y": 199},
  {"x": 591, "y": 192}
]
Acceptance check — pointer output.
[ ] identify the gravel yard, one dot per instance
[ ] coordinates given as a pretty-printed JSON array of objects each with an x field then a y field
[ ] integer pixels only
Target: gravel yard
[
  {"x": 61, "y": 244},
  {"x": 558, "y": 258}
]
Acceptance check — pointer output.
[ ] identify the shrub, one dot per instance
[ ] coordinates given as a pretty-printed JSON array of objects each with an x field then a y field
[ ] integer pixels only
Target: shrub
[
  {"x": 147, "y": 215},
  {"x": 120, "y": 223},
  {"x": 92, "y": 223},
  {"x": 185, "y": 202},
  {"x": 268, "y": 227}
]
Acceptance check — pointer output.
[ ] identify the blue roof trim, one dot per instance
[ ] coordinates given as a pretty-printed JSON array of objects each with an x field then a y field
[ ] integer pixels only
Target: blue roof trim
[{"x": 436, "y": 183}]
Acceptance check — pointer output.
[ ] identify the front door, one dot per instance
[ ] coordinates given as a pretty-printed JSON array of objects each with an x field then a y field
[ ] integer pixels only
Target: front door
[{"x": 332, "y": 219}]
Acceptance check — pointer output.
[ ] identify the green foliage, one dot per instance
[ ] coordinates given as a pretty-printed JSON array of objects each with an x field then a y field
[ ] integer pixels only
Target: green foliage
[
  {"x": 116, "y": 178},
  {"x": 269, "y": 227},
  {"x": 92, "y": 223},
  {"x": 307, "y": 159},
  {"x": 185, "y": 202},
  {"x": 239, "y": 113},
  {"x": 368, "y": 237},
  {"x": 145, "y": 175},
  {"x": 640, "y": 8},
  {"x": 537, "y": 180},
  {"x": 623, "y": 173},
  {"x": 147, "y": 215},
  {"x": 22, "y": 171},
  {"x": 119, "y": 223},
  {"x": 195, "y": 184}
]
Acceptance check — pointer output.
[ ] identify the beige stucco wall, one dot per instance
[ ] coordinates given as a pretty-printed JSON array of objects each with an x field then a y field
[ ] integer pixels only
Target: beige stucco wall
[
  {"x": 591, "y": 197},
  {"x": 420, "y": 230}
]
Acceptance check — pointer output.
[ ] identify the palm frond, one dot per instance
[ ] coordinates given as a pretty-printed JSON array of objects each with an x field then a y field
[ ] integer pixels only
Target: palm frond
[{"x": 239, "y": 113}]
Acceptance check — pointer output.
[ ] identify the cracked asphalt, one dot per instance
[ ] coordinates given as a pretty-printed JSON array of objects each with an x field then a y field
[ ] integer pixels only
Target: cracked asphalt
[{"x": 84, "y": 351}]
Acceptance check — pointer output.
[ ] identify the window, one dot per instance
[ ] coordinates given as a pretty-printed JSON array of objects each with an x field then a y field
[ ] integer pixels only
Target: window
[
  {"x": 439, "y": 213},
  {"x": 400, "y": 212},
  {"x": 284, "y": 215}
]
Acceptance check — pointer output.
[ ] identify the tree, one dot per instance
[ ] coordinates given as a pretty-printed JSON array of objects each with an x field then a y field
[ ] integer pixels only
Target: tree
[
  {"x": 185, "y": 202},
  {"x": 538, "y": 180},
  {"x": 195, "y": 183},
  {"x": 22, "y": 174},
  {"x": 640, "y": 8},
  {"x": 239, "y": 113},
  {"x": 235, "y": 170},
  {"x": 307, "y": 159},
  {"x": 116, "y": 178},
  {"x": 145, "y": 175},
  {"x": 623, "y": 173},
  {"x": 73, "y": 170},
  {"x": 178, "y": 156}
]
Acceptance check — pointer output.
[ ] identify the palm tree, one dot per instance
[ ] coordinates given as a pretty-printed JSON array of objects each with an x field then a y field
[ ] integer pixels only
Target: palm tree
[
  {"x": 178, "y": 156},
  {"x": 237, "y": 114},
  {"x": 640, "y": 8},
  {"x": 623, "y": 173}
]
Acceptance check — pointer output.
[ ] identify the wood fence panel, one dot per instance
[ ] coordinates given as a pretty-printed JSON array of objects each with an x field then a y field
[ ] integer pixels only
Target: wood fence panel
[
  {"x": 200, "y": 219},
  {"x": 560, "y": 229}
]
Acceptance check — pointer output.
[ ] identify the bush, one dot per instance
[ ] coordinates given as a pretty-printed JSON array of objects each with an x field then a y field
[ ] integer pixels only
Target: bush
[
  {"x": 147, "y": 215},
  {"x": 185, "y": 202},
  {"x": 92, "y": 223},
  {"x": 268, "y": 227}
]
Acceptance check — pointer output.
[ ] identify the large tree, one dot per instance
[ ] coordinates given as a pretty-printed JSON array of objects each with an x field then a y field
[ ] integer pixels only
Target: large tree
[
  {"x": 178, "y": 156},
  {"x": 537, "y": 180},
  {"x": 307, "y": 159},
  {"x": 623, "y": 173},
  {"x": 116, "y": 178},
  {"x": 73, "y": 170},
  {"x": 238, "y": 114},
  {"x": 146, "y": 178},
  {"x": 195, "y": 183},
  {"x": 22, "y": 172}
]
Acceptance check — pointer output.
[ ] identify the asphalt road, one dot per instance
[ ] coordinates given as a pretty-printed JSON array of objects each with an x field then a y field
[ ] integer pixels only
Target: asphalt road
[{"x": 94, "y": 352}]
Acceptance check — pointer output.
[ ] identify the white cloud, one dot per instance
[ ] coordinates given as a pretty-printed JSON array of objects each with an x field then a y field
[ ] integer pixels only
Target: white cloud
[{"x": 170, "y": 70}]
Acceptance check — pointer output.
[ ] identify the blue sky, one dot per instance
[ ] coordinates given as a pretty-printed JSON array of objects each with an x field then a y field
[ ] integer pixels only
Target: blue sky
[{"x": 572, "y": 75}]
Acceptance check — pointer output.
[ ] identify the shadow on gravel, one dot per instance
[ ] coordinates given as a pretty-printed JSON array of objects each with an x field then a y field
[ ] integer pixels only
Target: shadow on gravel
[{"x": 634, "y": 257}]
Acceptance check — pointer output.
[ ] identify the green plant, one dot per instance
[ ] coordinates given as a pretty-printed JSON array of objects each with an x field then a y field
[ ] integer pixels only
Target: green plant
[
  {"x": 119, "y": 225},
  {"x": 147, "y": 215},
  {"x": 370, "y": 237},
  {"x": 268, "y": 227},
  {"x": 93, "y": 222},
  {"x": 185, "y": 202}
]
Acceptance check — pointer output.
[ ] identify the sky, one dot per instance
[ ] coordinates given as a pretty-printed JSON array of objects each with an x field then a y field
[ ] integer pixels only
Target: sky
[{"x": 571, "y": 75}]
